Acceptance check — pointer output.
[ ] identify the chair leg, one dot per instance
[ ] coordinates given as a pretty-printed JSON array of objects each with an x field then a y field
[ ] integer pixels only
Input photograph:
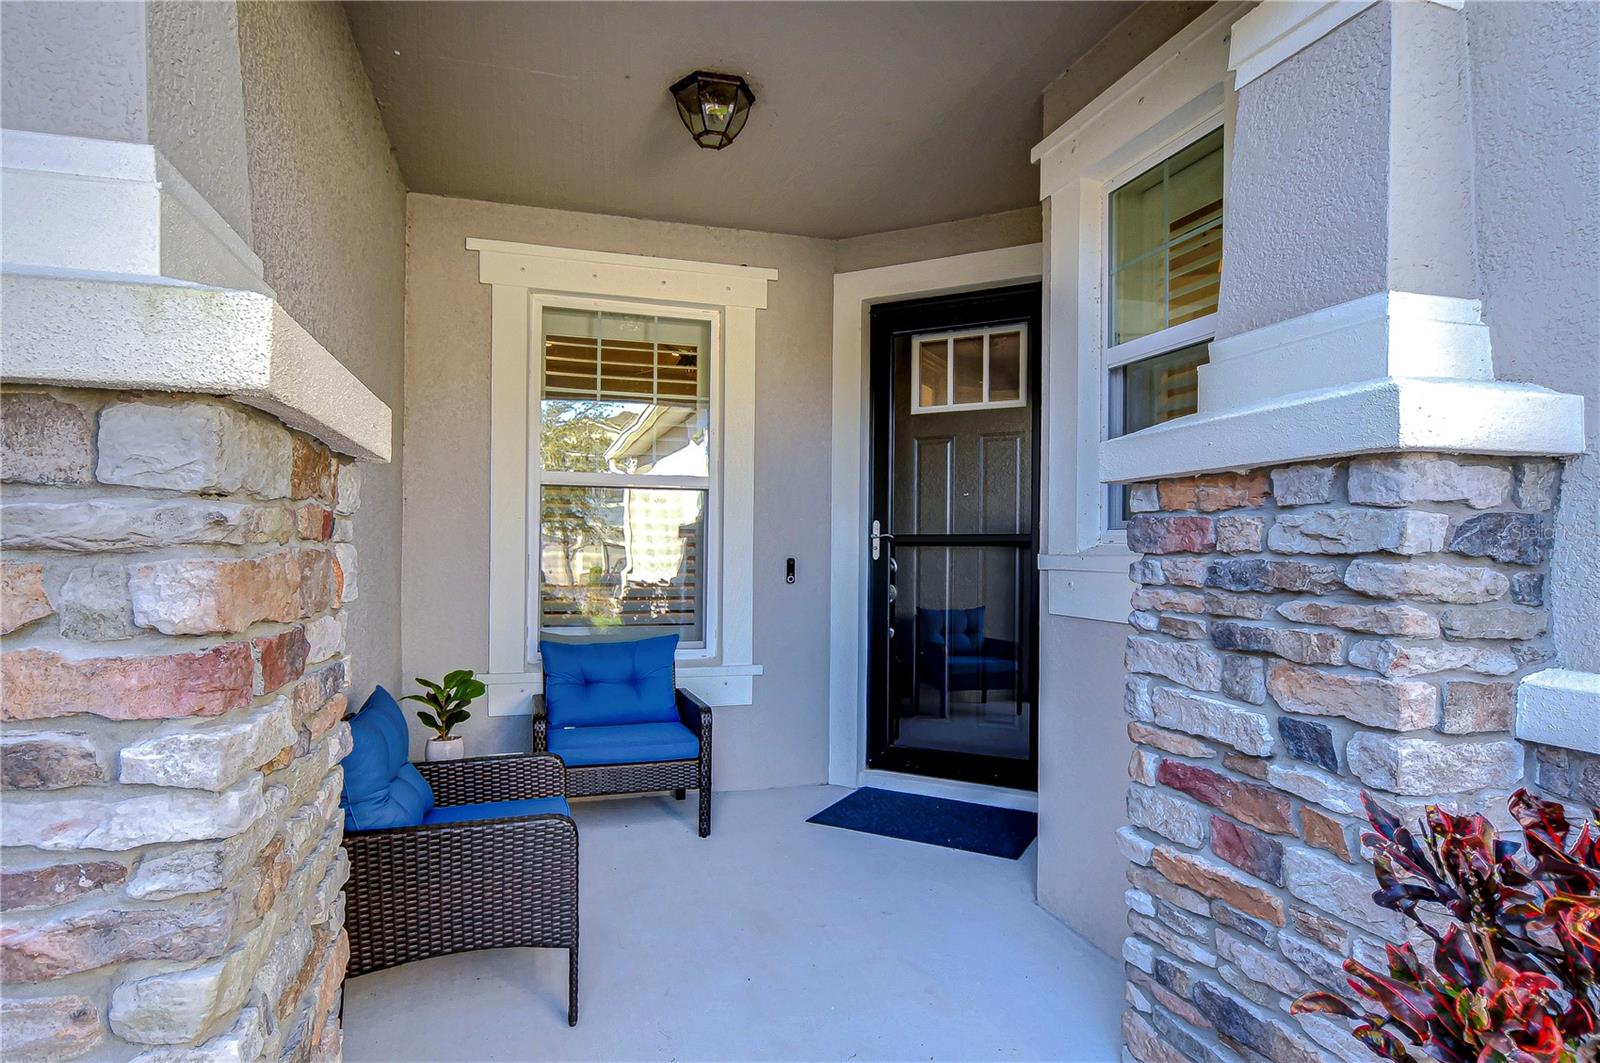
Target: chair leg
[
  {"x": 705, "y": 811},
  {"x": 680, "y": 794},
  {"x": 572, "y": 986}
]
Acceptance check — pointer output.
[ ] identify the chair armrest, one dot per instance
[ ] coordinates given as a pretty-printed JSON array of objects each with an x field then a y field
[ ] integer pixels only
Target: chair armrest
[
  {"x": 505, "y": 777},
  {"x": 694, "y": 713},
  {"x": 541, "y": 731}
]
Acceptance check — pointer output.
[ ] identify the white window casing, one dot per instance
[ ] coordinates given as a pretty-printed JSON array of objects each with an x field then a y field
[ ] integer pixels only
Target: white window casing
[
  {"x": 1175, "y": 97},
  {"x": 854, "y": 295},
  {"x": 522, "y": 279}
]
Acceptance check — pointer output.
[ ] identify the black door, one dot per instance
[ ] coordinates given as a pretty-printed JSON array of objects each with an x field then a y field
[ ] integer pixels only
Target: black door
[{"x": 953, "y": 616}]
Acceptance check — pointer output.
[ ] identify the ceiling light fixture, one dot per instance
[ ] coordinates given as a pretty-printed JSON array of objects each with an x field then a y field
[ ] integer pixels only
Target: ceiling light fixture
[{"x": 713, "y": 106}]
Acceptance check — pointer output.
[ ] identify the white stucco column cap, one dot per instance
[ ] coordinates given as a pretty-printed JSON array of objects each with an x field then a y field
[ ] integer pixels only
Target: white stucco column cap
[
  {"x": 1371, "y": 417},
  {"x": 1387, "y": 372},
  {"x": 69, "y": 329},
  {"x": 1560, "y": 707}
]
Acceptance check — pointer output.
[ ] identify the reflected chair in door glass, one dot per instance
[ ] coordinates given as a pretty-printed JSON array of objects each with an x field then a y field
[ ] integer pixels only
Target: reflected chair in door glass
[
  {"x": 612, "y": 712},
  {"x": 456, "y": 855},
  {"x": 953, "y": 655}
]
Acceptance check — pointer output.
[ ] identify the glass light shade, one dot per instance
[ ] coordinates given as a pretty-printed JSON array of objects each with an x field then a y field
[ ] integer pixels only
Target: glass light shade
[{"x": 713, "y": 107}]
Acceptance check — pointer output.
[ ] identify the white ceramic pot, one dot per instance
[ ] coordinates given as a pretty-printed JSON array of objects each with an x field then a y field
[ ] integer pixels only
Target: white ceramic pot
[{"x": 446, "y": 748}]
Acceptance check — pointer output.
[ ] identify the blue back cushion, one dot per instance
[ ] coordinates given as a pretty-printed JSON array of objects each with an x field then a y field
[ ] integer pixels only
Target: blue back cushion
[
  {"x": 382, "y": 788},
  {"x": 956, "y": 631},
  {"x": 595, "y": 684}
]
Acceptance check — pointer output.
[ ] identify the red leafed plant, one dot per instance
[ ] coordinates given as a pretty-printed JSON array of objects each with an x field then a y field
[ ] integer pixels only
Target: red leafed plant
[{"x": 1513, "y": 977}]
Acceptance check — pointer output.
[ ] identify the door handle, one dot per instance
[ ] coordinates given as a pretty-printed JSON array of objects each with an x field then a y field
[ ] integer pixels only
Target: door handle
[{"x": 878, "y": 536}]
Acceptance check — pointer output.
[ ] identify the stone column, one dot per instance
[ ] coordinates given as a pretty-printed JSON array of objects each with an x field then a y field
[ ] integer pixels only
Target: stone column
[
  {"x": 179, "y": 483},
  {"x": 1346, "y": 550},
  {"x": 174, "y": 667},
  {"x": 1305, "y": 633}
]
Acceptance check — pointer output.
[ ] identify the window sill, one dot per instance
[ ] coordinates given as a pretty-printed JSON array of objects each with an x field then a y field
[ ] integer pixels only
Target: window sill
[
  {"x": 1092, "y": 585},
  {"x": 512, "y": 693}
]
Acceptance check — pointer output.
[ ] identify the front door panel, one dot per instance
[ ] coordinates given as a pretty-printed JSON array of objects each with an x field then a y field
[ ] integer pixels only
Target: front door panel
[{"x": 953, "y": 615}]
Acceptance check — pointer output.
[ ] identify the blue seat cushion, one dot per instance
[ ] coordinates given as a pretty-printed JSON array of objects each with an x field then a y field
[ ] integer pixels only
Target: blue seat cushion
[
  {"x": 952, "y": 630},
  {"x": 597, "y": 684},
  {"x": 528, "y": 806},
  {"x": 627, "y": 743},
  {"x": 382, "y": 788}
]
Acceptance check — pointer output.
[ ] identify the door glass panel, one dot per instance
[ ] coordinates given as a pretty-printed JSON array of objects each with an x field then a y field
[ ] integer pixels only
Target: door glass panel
[
  {"x": 961, "y": 471},
  {"x": 933, "y": 373},
  {"x": 969, "y": 369},
  {"x": 1005, "y": 367},
  {"x": 958, "y": 670}
]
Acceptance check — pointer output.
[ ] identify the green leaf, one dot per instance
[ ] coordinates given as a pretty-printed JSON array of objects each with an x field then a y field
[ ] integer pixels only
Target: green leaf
[
  {"x": 472, "y": 690},
  {"x": 431, "y": 686},
  {"x": 459, "y": 676},
  {"x": 428, "y": 720}
]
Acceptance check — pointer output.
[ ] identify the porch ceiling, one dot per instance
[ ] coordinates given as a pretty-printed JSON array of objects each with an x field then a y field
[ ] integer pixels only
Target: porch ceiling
[{"x": 868, "y": 116}]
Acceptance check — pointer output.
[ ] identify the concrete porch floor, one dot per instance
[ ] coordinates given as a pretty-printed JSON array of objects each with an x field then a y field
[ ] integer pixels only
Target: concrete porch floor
[{"x": 774, "y": 939}]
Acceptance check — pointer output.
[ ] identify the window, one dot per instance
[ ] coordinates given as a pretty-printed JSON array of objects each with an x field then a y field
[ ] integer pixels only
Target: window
[
  {"x": 980, "y": 369},
  {"x": 1164, "y": 271},
  {"x": 624, "y": 471}
]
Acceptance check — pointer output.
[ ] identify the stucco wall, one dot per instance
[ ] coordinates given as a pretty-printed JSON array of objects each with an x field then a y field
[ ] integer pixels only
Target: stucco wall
[
  {"x": 1129, "y": 43},
  {"x": 1536, "y": 120},
  {"x": 164, "y": 73},
  {"x": 984, "y": 233},
  {"x": 1083, "y": 776},
  {"x": 74, "y": 68},
  {"x": 328, "y": 212},
  {"x": 781, "y": 739},
  {"x": 1307, "y": 182},
  {"x": 195, "y": 104}
]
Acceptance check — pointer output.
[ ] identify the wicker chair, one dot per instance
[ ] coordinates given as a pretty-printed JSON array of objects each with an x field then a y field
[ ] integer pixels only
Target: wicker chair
[
  {"x": 429, "y": 890},
  {"x": 679, "y": 776}
]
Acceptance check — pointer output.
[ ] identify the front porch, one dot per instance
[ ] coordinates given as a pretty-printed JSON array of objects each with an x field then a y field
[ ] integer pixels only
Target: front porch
[
  {"x": 1280, "y": 490},
  {"x": 772, "y": 939}
]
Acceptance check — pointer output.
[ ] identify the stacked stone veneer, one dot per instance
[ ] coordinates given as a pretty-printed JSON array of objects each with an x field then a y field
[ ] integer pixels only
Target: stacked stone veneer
[
  {"x": 173, "y": 669},
  {"x": 1304, "y": 633}
]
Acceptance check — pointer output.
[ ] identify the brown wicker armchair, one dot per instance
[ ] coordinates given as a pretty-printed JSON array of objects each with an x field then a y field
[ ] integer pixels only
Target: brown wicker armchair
[
  {"x": 416, "y": 892},
  {"x": 679, "y": 776}
]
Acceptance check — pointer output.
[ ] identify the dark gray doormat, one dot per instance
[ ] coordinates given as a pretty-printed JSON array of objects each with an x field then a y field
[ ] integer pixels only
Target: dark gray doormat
[{"x": 982, "y": 829}]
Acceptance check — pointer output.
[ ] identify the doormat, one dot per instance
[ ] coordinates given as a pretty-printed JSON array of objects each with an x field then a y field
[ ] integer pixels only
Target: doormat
[{"x": 963, "y": 825}]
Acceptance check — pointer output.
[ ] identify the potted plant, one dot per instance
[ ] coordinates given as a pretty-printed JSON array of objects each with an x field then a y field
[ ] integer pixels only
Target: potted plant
[
  {"x": 448, "y": 701},
  {"x": 1515, "y": 934}
]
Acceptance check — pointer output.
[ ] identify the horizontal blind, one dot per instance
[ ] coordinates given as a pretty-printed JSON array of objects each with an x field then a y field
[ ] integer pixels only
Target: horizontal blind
[
  {"x": 1194, "y": 264},
  {"x": 586, "y": 358}
]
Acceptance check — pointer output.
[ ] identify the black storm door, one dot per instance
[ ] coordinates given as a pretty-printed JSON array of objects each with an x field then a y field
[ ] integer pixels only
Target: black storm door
[{"x": 953, "y": 614}]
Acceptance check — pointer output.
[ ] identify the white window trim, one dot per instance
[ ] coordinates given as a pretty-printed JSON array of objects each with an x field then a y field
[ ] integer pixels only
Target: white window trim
[
  {"x": 854, "y": 295},
  {"x": 517, "y": 274},
  {"x": 1177, "y": 95},
  {"x": 950, "y": 370},
  {"x": 704, "y": 649},
  {"x": 1165, "y": 341}
]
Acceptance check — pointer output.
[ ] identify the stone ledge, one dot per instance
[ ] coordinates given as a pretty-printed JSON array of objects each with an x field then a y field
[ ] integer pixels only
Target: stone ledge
[
  {"x": 77, "y": 330},
  {"x": 1560, "y": 707},
  {"x": 1387, "y": 415}
]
